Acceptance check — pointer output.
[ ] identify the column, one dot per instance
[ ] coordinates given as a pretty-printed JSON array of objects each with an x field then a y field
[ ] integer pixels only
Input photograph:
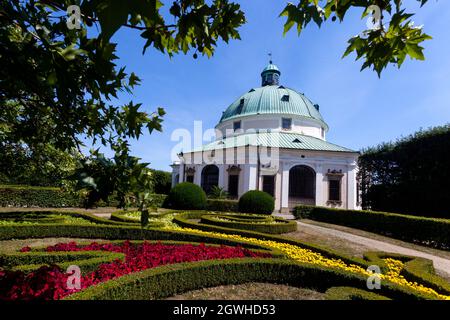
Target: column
[
  {"x": 198, "y": 175},
  {"x": 285, "y": 189},
  {"x": 249, "y": 177},
  {"x": 181, "y": 174},
  {"x": 320, "y": 197},
  {"x": 351, "y": 187},
  {"x": 221, "y": 176}
]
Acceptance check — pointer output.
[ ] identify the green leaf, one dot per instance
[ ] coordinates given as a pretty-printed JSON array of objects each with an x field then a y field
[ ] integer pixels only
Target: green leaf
[
  {"x": 112, "y": 15},
  {"x": 415, "y": 51}
]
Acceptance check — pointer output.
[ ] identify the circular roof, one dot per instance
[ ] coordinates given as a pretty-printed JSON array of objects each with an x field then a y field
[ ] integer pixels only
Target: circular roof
[{"x": 273, "y": 99}]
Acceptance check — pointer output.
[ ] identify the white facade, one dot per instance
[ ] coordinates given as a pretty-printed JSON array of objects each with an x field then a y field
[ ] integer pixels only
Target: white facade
[
  {"x": 299, "y": 168},
  {"x": 325, "y": 166}
]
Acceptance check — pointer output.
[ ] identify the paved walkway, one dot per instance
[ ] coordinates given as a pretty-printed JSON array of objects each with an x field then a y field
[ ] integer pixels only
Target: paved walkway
[{"x": 440, "y": 264}]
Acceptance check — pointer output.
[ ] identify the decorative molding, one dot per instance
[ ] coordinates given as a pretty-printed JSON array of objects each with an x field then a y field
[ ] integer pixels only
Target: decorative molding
[
  {"x": 234, "y": 169},
  {"x": 190, "y": 171},
  {"x": 334, "y": 174}
]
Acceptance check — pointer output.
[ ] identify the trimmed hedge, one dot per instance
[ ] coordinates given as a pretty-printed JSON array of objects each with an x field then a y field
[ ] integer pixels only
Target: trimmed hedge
[
  {"x": 26, "y": 196},
  {"x": 348, "y": 293},
  {"x": 415, "y": 269},
  {"x": 430, "y": 232},
  {"x": 87, "y": 261},
  {"x": 186, "y": 196},
  {"x": 120, "y": 217},
  {"x": 222, "y": 205},
  {"x": 52, "y": 197},
  {"x": 255, "y": 201},
  {"x": 169, "y": 280},
  {"x": 276, "y": 226},
  {"x": 40, "y": 216},
  {"x": 186, "y": 220}
]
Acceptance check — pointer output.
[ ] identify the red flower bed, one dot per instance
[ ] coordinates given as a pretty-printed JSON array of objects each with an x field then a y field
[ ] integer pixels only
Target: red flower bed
[{"x": 50, "y": 282}]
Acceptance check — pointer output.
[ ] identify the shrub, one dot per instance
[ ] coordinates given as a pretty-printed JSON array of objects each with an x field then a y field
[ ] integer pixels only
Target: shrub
[
  {"x": 157, "y": 200},
  {"x": 274, "y": 226},
  {"x": 431, "y": 232},
  {"x": 255, "y": 201},
  {"x": 186, "y": 196},
  {"x": 217, "y": 192},
  {"x": 26, "y": 196},
  {"x": 222, "y": 205}
]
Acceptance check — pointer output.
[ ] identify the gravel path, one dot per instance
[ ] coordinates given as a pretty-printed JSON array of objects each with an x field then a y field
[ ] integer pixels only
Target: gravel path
[{"x": 440, "y": 264}]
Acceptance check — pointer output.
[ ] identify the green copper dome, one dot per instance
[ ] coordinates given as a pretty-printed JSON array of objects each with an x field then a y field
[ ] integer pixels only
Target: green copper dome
[{"x": 272, "y": 98}]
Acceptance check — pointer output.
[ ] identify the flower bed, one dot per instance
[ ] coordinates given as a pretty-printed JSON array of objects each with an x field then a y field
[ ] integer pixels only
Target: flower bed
[
  {"x": 49, "y": 282},
  {"x": 393, "y": 267}
]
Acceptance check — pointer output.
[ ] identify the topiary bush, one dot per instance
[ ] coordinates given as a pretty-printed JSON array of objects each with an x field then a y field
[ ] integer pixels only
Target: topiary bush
[
  {"x": 255, "y": 201},
  {"x": 186, "y": 196}
]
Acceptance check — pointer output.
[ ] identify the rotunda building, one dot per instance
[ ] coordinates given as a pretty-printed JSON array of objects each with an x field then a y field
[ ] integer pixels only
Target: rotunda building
[{"x": 273, "y": 138}]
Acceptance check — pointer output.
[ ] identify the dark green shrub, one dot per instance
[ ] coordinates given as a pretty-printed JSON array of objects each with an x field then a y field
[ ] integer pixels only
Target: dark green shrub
[
  {"x": 255, "y": 201},
  {"x": 222, "y": 205},
  {"x": 431, "y": 232},
  {"x": 186, "y": 196}
]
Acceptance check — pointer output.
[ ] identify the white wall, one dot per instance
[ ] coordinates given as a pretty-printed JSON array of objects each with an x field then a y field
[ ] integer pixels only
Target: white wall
[
  {"x": 319, "y": 161},
  {"x": 302, "y": 125}
]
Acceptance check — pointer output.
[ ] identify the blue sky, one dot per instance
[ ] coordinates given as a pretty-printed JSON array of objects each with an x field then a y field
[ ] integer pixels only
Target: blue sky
[{"x": 360, "y": 109}]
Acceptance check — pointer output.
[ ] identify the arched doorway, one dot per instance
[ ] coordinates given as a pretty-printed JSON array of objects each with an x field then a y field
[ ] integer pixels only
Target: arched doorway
[
  {"x": 210, "y": 177},
  {"x": 302, "y": 185}
]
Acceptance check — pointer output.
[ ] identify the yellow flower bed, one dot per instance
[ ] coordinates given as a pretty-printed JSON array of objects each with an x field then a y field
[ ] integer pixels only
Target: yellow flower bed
[{"x": 307, "y": 256}]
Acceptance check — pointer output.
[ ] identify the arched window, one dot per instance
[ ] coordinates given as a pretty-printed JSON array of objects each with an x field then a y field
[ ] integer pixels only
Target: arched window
[
  {"x": 210, "y": 177},
  {"x": 302, "y": 184}
]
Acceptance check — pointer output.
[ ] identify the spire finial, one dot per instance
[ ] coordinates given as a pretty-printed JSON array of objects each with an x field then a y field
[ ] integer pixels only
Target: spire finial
[{"x": 270, "y": 57}]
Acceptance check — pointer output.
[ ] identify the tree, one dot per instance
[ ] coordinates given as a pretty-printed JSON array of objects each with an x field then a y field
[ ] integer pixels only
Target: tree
[
  {"x": 382, "y": 43},
  {"x": 410, "y": 175},
  {"x": 122, "y": 176},
  {"x": 58, "y": 84},
  {"x": 162, "y": 181}
]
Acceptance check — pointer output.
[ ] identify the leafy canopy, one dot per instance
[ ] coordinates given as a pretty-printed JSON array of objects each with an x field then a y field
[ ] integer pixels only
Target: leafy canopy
[
  {"x": 380, "y": 44},
  {"x": 61, "y": 85}
]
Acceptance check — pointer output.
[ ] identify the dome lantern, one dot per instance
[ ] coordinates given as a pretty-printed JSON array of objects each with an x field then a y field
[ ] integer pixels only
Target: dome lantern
[{"x": 270, "y": 76}]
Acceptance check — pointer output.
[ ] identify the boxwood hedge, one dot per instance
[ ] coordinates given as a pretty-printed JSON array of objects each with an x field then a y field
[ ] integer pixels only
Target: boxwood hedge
[
  {"x": 26, "y": 196},
  {"x": 169, "y": 280},
  {"x": 275, "y": 226},
  {"x": 431, "y": 232}
]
